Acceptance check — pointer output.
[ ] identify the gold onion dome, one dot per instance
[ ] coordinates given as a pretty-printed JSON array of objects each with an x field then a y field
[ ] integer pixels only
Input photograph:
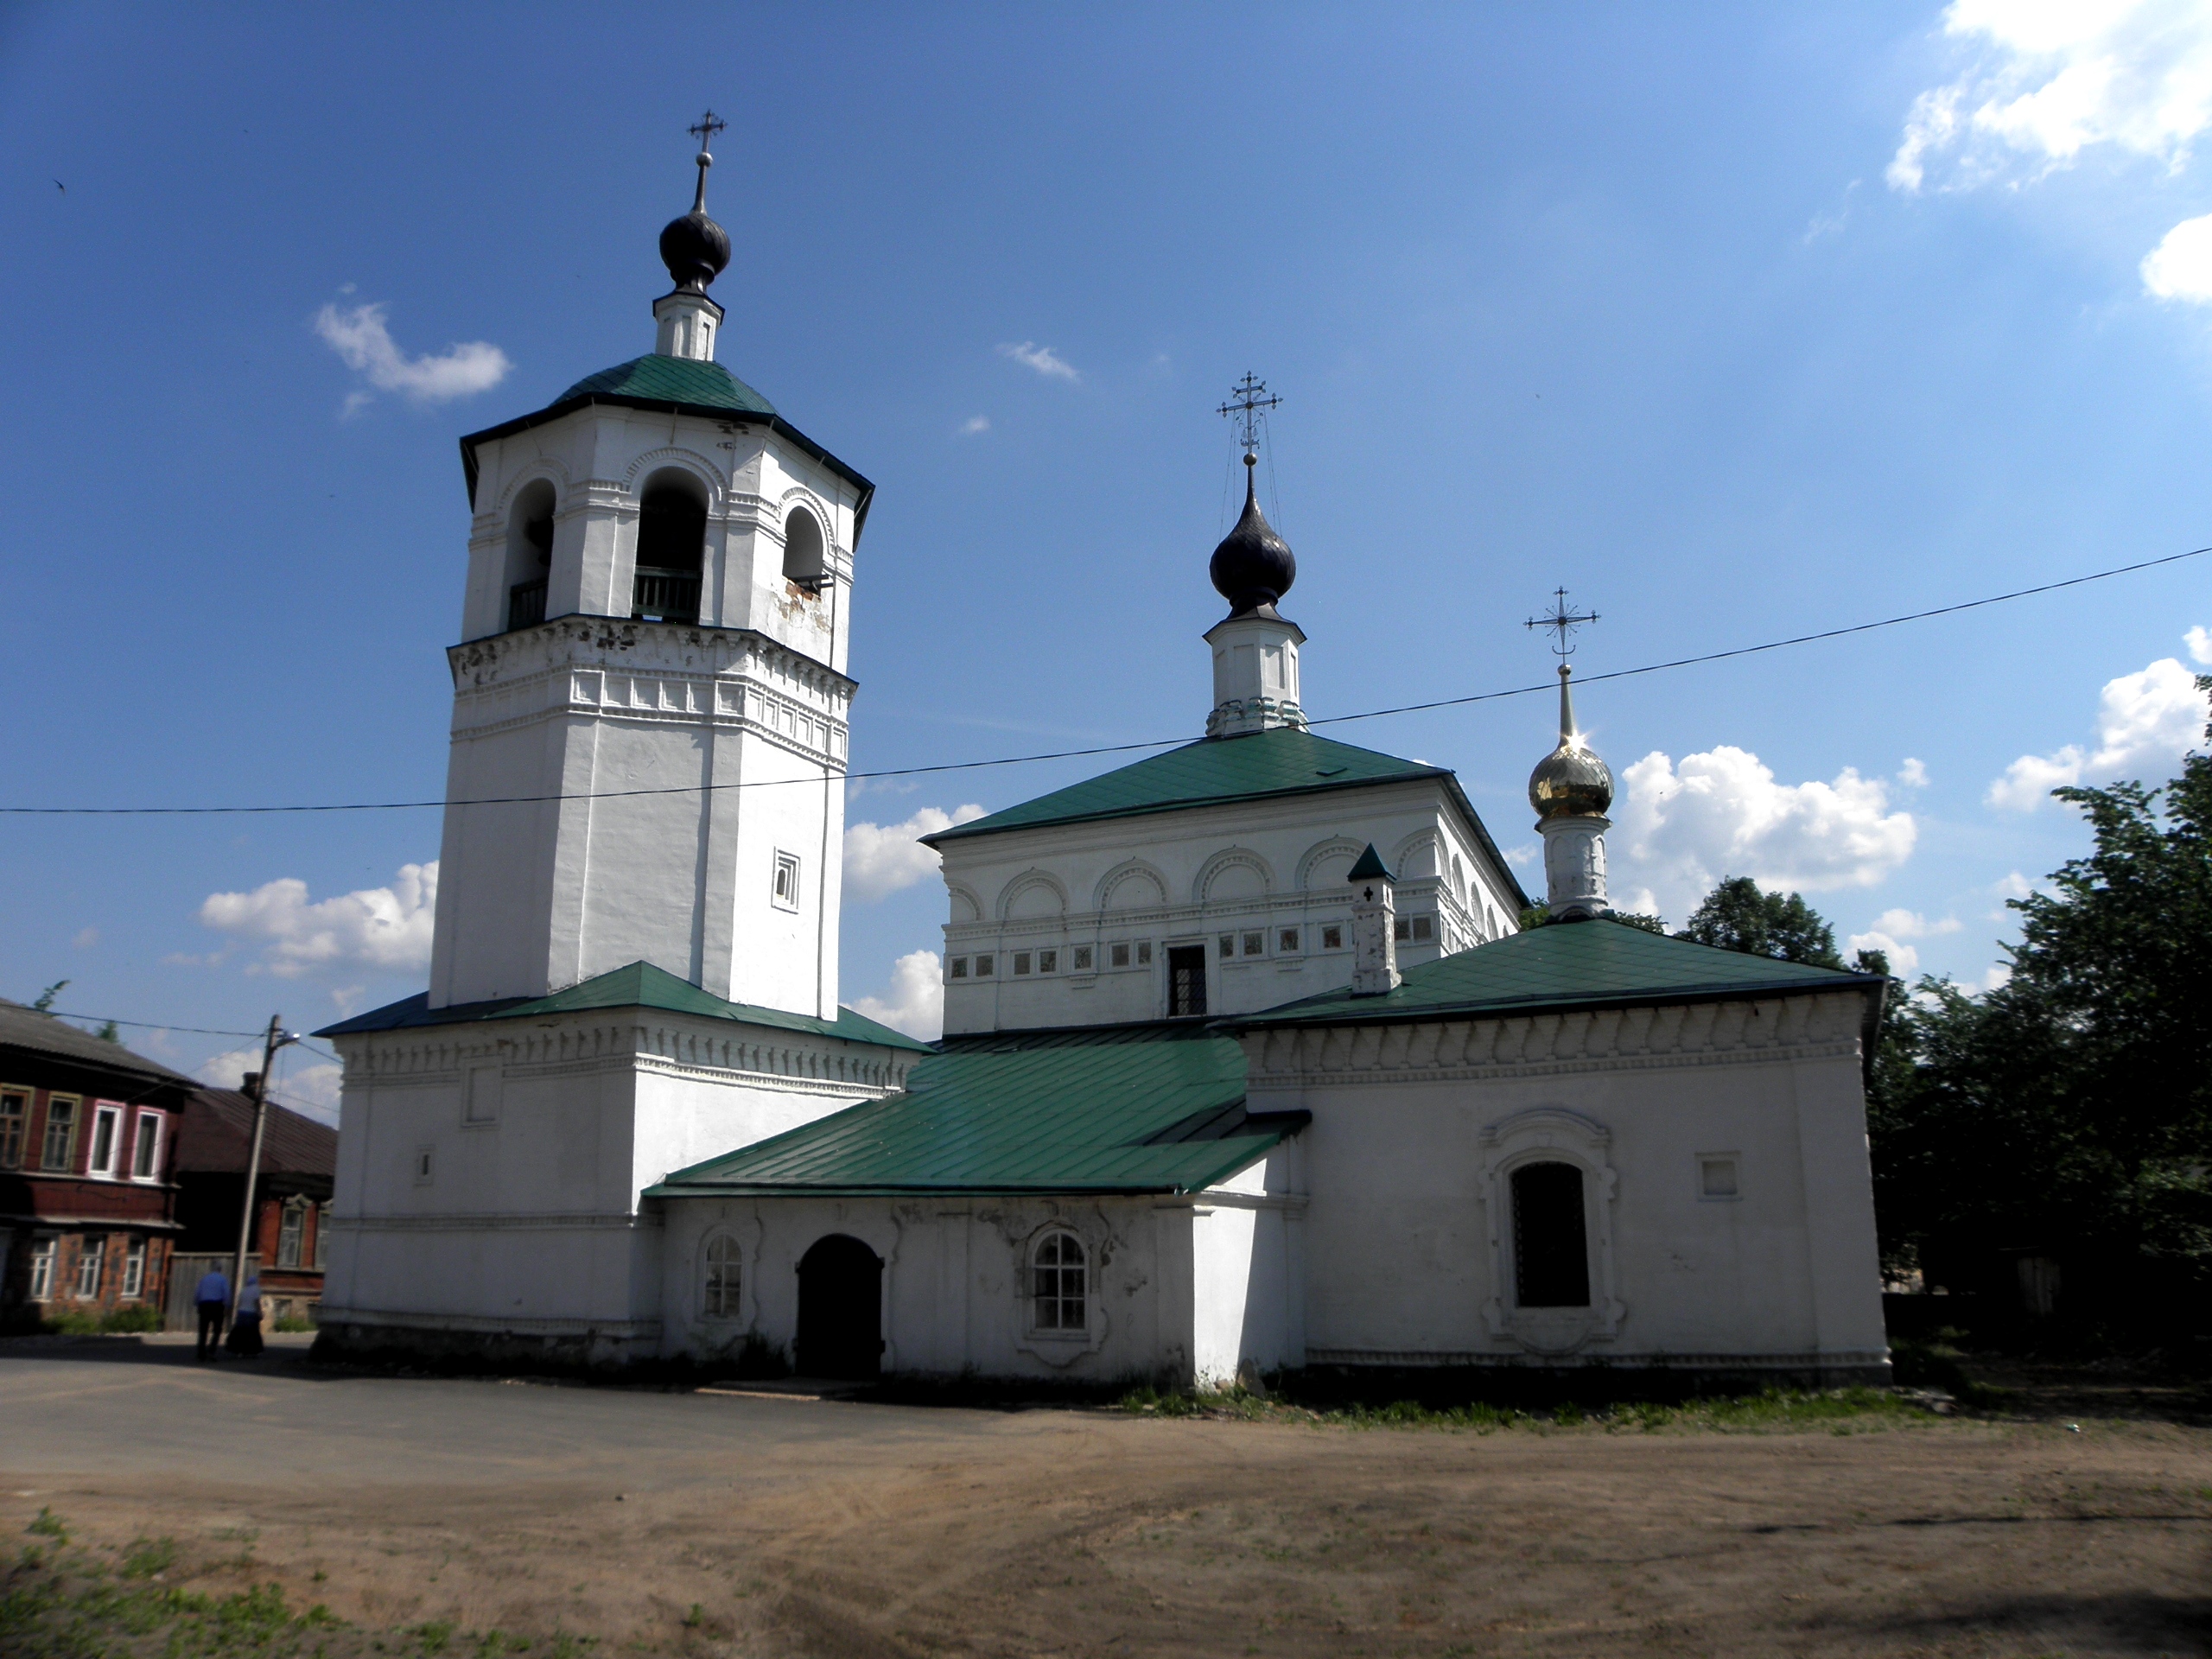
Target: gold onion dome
[{"x": 1571, "y": 781}]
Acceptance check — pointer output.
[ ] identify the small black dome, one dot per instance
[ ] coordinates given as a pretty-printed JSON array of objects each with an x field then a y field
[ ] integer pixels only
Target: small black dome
[
  {"x": 1253, "y": 566},
  {"x": 695, "y": 249}
]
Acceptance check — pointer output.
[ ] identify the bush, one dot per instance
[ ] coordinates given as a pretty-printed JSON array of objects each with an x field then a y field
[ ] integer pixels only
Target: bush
[{"x": 142, "y": 1318}]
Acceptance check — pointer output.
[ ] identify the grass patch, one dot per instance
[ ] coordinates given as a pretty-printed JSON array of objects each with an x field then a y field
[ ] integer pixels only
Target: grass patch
[{"x": 1841, "y": 1410}]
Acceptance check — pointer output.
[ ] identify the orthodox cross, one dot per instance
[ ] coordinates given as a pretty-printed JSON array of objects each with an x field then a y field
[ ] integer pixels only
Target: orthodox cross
[
  {"x": 708, "y": 125},
  {"x": 1247, "y": 399},
  {"x": 1562, "y": 621}
]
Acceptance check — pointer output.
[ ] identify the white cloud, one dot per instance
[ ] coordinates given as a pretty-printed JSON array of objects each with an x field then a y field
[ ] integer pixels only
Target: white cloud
[
  {"x": 86, "y": 937},
  {"x": 1722, "y": 813},
  {"x": 973, "y": 424},
  {"x": 2180, "y": 267},
  {"x": 360, "y": 337},
  {"x": 914, "y": 1002},
  {"x": 384, "y": 928},
  {"x": 1902, "y": 958},
  {"x": 311, "y": 1089},
  {"x": 1890, "y": 932},
  {"x": 1831, "y": 224},
  {"x": 880, "y": 859},
  {"x": 1912, "y": 774},
  {"x": 2199, "y": 641},
  {"x": 1525, "y": 855},
  {"x": 2144, "y": 721},
  {"x": 1042, "y": 358},
  {"x": 2049, "y": 79}
]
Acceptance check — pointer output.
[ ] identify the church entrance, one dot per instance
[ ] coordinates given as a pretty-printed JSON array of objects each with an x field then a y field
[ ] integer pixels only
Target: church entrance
[
  {"x": 840, "y": 1309},
  {"x": 1186, "y": 981}
]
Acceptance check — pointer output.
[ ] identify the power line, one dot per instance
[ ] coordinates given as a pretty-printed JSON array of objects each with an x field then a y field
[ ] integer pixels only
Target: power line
[
  {"x": 1105, "y": 748},
  {"x": 152, "y": 1025}
]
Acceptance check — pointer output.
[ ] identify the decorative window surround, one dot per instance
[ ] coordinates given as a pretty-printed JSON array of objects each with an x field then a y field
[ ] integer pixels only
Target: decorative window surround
[{"x": 1550, "y": 1135}]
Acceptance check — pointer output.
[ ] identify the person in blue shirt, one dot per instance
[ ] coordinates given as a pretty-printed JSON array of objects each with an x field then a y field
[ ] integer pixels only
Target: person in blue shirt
[{"x": 214, "y": 1296}]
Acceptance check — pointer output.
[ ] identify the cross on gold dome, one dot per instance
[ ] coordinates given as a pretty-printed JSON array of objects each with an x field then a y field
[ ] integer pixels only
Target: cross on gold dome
[
  {"x": 1247, "y": 399},
  {"x": 1563, "y": 622}
]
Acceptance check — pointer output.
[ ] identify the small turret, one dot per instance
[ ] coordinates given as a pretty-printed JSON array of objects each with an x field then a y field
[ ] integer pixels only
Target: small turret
[{"x": 1374, "y": 930}]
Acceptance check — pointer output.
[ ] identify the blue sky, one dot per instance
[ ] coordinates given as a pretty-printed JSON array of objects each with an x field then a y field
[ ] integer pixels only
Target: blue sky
[{"x": 1737, "y": 322}]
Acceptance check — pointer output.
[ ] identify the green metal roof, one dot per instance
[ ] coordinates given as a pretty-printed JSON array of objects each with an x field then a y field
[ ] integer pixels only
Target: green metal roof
[
  {"x": 1116, "y": 1109},
  {"x": 706, "y": 386},
  {"x": 640, "y": 985},
  {"x": 1595, "y": 963}
]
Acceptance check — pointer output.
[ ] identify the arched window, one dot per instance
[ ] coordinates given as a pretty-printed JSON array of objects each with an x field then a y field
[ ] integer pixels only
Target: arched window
[
  {"x": 672, "y": 548},
  {"x": 530, "y": 553},
  {"x": 1551, "y": 1249},
  {"x": 804, "y": 560},
  {"x": 718, "y": 1300},
  {"x": 1058, "y": 1283}
]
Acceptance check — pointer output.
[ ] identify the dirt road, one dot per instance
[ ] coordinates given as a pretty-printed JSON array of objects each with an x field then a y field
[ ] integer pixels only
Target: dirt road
[{"x": 778, "y": 1526}]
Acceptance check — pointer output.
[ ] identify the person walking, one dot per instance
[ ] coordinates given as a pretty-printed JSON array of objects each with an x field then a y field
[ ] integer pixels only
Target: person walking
[
  {"x": 245, "y": 1330},
  {"x": 213, "y": 1297}
]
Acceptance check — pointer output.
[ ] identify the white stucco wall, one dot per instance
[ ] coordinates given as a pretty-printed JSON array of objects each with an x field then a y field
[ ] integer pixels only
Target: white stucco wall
[
  {"x": 541, "y": 1139},
  {"x": 1416, "y": 1130},
  {"x": 1186, "y": 877}
]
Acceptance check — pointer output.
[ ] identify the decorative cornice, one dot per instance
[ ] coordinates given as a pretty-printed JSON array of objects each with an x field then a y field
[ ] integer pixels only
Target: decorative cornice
[{"x": 519, "y": 1222}]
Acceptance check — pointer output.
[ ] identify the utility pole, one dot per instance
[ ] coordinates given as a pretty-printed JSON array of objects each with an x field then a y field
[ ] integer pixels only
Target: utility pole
[{"x": 258, "y": 1086}]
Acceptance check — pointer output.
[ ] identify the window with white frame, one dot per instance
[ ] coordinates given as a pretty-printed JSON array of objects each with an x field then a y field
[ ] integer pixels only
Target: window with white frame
[
  {"x": 1048, "y": 962},
  {"x": 718, "y": 1294},
  {"x": 1255, "y": 945},
  {"x": 1287, "y": 939},
  {"x": 134, "y": 1269},
  {"x": 1332, "y": 937},
  {"x": 92, "y": 1259},
  {"x": 1227, "y": 946},
  {"x": 1021, "y": 962},
  {"x": 783, "y": 891},
  {"x": 60, "y": 1133},
  {"x": 42, "y": 1255},
  {"x": 956, "y": 967},
  {"x": 14, "y": 1116},
  {"x": 1117, "y": 956},
  {"x": 146, "y": 1149},
  {"x": 1082, "y": 958},
  {"x": 107, "y": 1129},
  {"x": 322, "y": 1235},
  {"x": 1144, "y": 953},
  {"x": 985, "y": 965},
  {"x": 1059, "y": 1284},
  {"x": 290, "y": 1229}
]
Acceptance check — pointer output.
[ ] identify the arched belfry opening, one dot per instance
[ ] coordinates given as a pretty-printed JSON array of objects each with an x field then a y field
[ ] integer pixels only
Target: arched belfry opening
[
  {"x": 840, "y": 1309},
  {"x": 530, "y": 553},
  {"x": 806, "y": 562},
  {"x": 672, "y": 548}
]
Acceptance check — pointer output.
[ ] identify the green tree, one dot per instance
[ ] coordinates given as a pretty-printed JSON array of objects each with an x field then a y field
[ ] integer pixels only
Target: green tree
[
  {"x": 1738, "y": 916},
  {"x": 44, "y": 1001}
]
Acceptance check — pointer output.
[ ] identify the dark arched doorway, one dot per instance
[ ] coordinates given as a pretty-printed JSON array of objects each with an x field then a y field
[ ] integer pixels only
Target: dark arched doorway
[{"x": 840, "y": 1309}]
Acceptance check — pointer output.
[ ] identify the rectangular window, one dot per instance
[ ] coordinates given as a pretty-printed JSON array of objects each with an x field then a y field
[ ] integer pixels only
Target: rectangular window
[
  {"x": 321, "y": 1234},
  {"x": 134, "y": 1269},
  {"x": 1117, "y": 956},
  {"x": 785, "y": 891},
  {"x": 1423, "y": 929},
  {"x": 1716, "y": 1176},
  {"x": 1048, "y": 962},
  {"x": 1082, "y": 958},
  {"x": 1227, "y": 946},
  {"x": 479, "y": 1102},
  {"x": 1255, "y": 945},
  {"x": 1144, "y": 953},
  {"x": 1401, "y": 928},
  {"x": 14, "y": 1115},
  {"x": 60, "y": 1133},
  {"x": 287, "y": 1234},
  {"x": 1287, "y": 938},
  {"x": 956, "y": 969},
  {"x": 146, "y": 1150},
  {"x": 422, "y": 1165},
  {"x": 107, "y": 1125},
  {"x": 1186, "y": 981},
  {"x": 92, "y": 1257},
  {"x": 1021, "y": 962},
  {"x": 42, "y": 1255},
  {"x": 983, "y": 966},
  {"x": 1332, "y": 938}
]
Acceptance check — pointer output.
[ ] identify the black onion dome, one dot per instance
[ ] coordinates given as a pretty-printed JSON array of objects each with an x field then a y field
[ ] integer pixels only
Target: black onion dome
[
  {"x": 1253, "y": 566},
  {"x": 1570, "y": 782},
  {"x": 695, "y": 249}
]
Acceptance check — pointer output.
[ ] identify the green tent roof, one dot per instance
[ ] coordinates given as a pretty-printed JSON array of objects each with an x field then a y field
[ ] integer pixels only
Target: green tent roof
[
  {"x": 1595, "y": 963},
  {"x": 640, "y": 985},
  {"x": 1116, "y": 1109},
  {"x": 706, "y": 386}
]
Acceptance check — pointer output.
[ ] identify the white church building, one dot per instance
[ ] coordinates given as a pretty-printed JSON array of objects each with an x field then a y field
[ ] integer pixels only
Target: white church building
[{"x": 1247, "y": 1064}]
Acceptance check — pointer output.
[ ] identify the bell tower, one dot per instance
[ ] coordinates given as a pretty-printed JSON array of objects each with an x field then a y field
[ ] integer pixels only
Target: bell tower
[{"x": 650, "y": 706}]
